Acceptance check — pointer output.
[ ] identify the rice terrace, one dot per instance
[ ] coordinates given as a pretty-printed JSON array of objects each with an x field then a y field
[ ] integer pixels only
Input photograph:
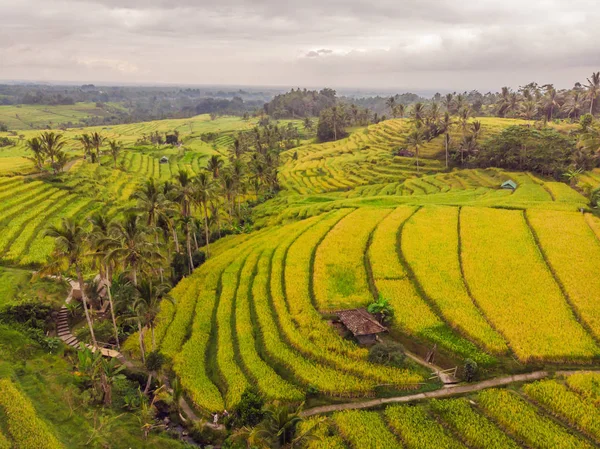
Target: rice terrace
[{"x": 241, "y": 266}]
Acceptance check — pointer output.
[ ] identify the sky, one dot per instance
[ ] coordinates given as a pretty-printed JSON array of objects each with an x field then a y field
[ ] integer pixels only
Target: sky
[{"x": 440, "y": 45}]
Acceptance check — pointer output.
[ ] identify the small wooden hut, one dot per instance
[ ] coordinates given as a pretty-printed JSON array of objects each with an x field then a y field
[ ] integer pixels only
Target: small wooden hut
[{"x": 361, "y": 324}]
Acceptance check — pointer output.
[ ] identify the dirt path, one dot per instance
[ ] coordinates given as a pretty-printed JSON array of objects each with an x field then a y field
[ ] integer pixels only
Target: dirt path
[{"x": 443, "y": 393}]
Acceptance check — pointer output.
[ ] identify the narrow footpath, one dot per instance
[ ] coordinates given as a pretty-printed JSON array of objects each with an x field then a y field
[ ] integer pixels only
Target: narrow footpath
[{"x": 443, "y": 393}]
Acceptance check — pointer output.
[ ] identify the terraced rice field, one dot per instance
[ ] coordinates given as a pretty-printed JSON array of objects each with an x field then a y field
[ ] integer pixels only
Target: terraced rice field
[
  {"x": 540, "y": 415},
  {"x": 475, "y": 281}
]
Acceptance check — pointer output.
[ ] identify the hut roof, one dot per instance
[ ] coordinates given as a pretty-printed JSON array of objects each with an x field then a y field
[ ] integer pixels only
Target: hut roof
[
  {"x": 510, "y": 184},
  {"x": 360, "y": 322}
]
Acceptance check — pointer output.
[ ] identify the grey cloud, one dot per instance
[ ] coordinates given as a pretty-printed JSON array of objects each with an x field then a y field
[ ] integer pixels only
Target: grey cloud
[{"x": 312, "y": 43}]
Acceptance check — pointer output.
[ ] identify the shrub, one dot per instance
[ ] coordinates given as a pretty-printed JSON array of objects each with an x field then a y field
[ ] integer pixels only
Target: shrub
[
  {"x": 388, "y": 353},
  {"x": 470, "y": 370},
  {"x": 249, "y": 411}
]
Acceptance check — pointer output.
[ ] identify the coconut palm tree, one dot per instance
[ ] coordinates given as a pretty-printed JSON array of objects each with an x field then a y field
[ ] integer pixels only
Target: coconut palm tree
[
  {"x": 204, "y": 190},
  {"x": 71, "y": 245},
  {"x": 391, "y": 103},
  {"x": 448, "y": 102},
  {"x": 129, "y": 245},
  {"x": 53, "y": 144},
  {"x": 97, "y": 140},
  {"x": 99, "y": 235},
  {"x": 446, "y": 125},
  {"x": 114, "y": 149},
  {"x": 573, "y": 105},
  {"x": 433, "y": 114},
  {"x": 399, "y": 110},
  {"x": 39, "y": 155},
  {"x": 418, "y": 113},
  {"x": 147, "y": 298},
  {"x": 476, "y": 129},
  {"x": 593, "y": 88},
  {"x": 468, "y": 146},
  {"x": 416, "y": 138},
  {"x": 550, "y": 101},
  {"x": 86, "y": 142},
  {"x": 463, "y": 116},
  {"x": 528, "y": 110},
  {"x": 215, "y": 164}
]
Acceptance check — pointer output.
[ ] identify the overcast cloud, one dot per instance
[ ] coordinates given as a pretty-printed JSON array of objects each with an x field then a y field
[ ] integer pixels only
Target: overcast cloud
[{"x": 403, "y": 44}]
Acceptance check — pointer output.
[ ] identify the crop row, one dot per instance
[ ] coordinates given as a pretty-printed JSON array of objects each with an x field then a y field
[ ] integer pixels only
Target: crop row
[
  {"x": 515, "y": 289},
  {"x": 575, "y": 258},
  {"x": 418, "y": 430},
  {"x": 430, "y": 244},
  {"x": 26, "y": 429},
  {"x": 265, "y": 378},
  {"x": 413, "y": 316},
  {"x": 566, "y": 405},
  {"x": 525, "y": 422},
  {"x": 340, "y": 279}
]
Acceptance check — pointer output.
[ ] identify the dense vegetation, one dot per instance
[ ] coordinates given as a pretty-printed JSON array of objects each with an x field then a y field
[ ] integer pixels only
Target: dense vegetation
[{"x": 216, "y": 252}]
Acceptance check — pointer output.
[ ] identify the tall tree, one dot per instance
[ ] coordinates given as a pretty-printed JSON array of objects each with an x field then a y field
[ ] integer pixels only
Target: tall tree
[
  {"x": 593, "y": 88},
  {"x": 99, "y": 235},
  {"x": 39, "y": 155},
  {"x": 416, "y": 138},
  {"x": 70, "y": 246},
  {"x": 53, "y": 144},
  {"x": 114, "y": 149},
  {"x": 130, "y": 246},
  {"x": 204, "y": 190},
  {"x": 215, "y": 164}
]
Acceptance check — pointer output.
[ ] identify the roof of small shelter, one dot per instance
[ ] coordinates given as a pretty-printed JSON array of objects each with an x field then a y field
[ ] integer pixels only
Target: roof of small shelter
[{"x": 360, "y": 322}]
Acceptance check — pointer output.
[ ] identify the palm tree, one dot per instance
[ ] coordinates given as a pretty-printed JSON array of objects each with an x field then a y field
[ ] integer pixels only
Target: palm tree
[
  {"x": 391, "y": 103},
  {"x": 98, "y": 237},
  {"x": 229, "y": 189},
  {"x": 573, "y": 105},
  {"x": 468, "y": 146},
  {"x": 355, "y": 113},
  {"x": 418, "y": 112},
  {"x": 97, "y": 141},
  {"x": 281, "y": 423},
  {"x": 593, "y": 88},
  {"x": 86, "y": 142},
  {"x": 53, "y": 144},
  {"x": 434, "y": 113},
  {"x": 460, "y": 102},
  {"x": 476, "y": 129},
  {"x": 513, "y": 103},
  {"x": 399, "y": 110},
  {"x": 550, "y": 101},
  {"x": 110, "y": 371},
  {"x": 528, "y": 110},
  {"x": 463, "y": 117},
  {"x": 447, "y": 143},
  {"x": 71, "y": 242},
  {"x": 416, "y": 138},
  {"x": 39, "y": 156},
  {"x": 114, "y": 148},
  {"x": 148, "y": 297},
  {"x": 215, "y": 164},
  {"x": 308, "y": 124},
  {"x": 204, "y": 189},
  {"x": 184, "y": 196},
  {"x": 151, "y": 201},
  {"x": 504, "y": 101},
  {"x": 446, "y": 125},
  {"x": 448, "y": 102},
  {"x": 130, "y": 246}
]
